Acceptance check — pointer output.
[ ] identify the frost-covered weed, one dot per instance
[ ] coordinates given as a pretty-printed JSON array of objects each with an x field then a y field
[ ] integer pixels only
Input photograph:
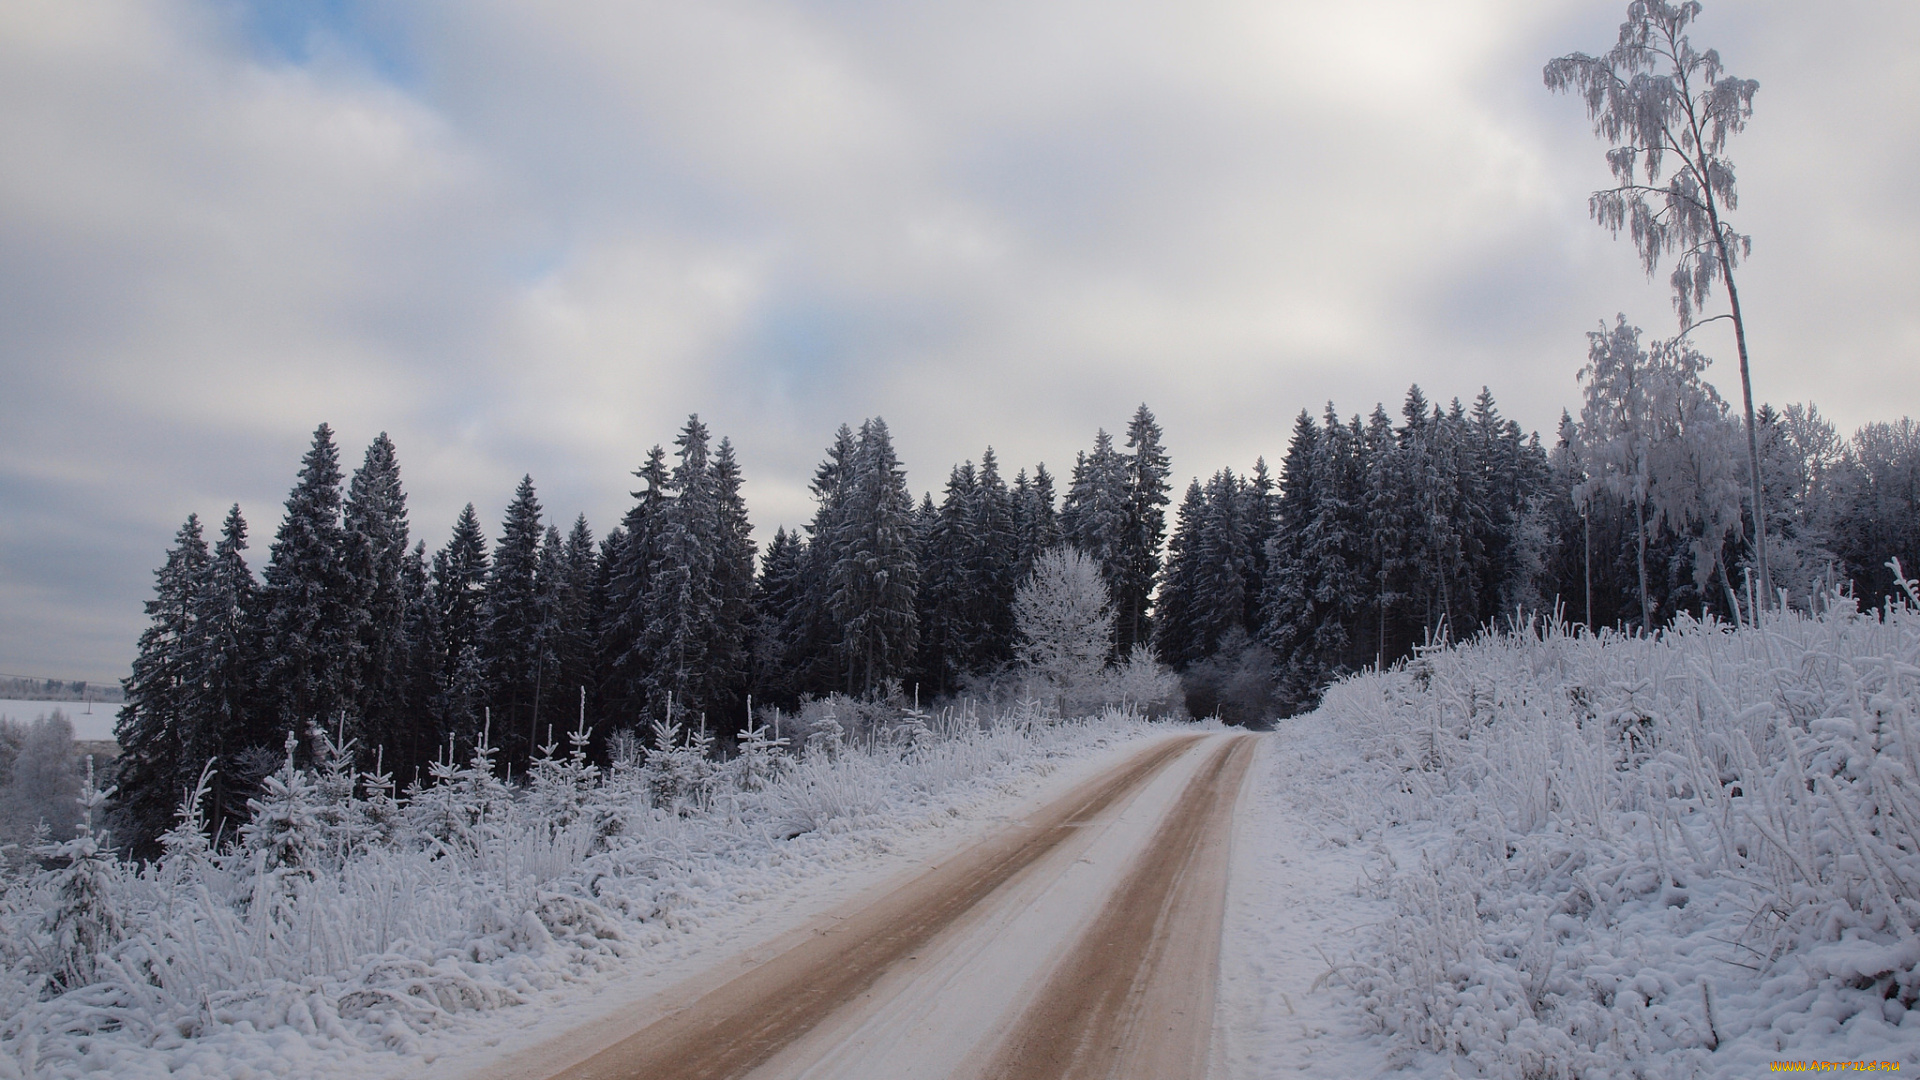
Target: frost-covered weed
[
  {"x": 347, "y": 918},
  {"x": 1639, "y": 851}
]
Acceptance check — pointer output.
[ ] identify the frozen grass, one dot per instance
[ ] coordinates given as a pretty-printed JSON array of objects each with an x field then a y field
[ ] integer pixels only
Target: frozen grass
[
  {"x": 1614, "y": 856},
  {"x": 346, "y": 927}
]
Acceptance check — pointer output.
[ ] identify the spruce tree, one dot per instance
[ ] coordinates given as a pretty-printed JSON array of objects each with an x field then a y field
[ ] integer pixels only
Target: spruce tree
[
  {"x": 947, "y": 601},
  {"x": 874, "y": 575},
  {"x": 1286, "y": 617},
  {"x": 734, "y": 585},
  {"x": 1878, "y": 490},
  {"x": 777, "y": 596},
  {"x": 228, "y": 672},
  {"x": 512, "y": 637},
  {"x": 1258, "y": 515},
  {"x": 1317, "y": 599},
  {"x": 163, "y": 702},
  {"x": 1093, "y": 517},
  {"x": 457, "y": 596},
  {"x": 1175, "y": 635},
  {"x": 313, "y": 612},
  {"x": 1223, "y": 564},
  {"x": 629, "y": 559},
  {"x": 375, "y": 516},
  {"x": 694, "y": 647},
  {"x": 1389, "y": 497},
  {"x": 1038, "y": 519},
  {"x": 571, "y": 583},
  {"x": 811, "y": 633},
  {"x": 411, "y": 743},
  {"x": 1143, "y": 527},
  {"x": 555, "y": 704},
  {"x": 993, "y": 577}
]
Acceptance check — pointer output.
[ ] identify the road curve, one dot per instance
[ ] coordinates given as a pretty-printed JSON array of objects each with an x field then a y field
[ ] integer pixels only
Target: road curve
[{"x": 1111, "y": 977}]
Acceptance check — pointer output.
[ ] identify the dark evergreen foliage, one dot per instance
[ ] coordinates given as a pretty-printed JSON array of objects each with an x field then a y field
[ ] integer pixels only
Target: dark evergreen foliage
[
  {"x": 313, "y": 610},
  {"x": 572, "y": 581},
  {"x": 156, "y": 725},
  {"x": 377, "y": 542},
  {"x": 1376, "y": 538},
  {"x": 778, "y": 597},
  {"x": 456, "y": 602},
  {"x": 514, "y": 643},
  {"x": 629, "y": 557},
  {"x": 873, "y": 574},
  {"x": 1143, "y": 526},
  {"x": 1877, "y": 490},
  {"x": 694, "y": 637},
  {"x": 225, "y": 659}
]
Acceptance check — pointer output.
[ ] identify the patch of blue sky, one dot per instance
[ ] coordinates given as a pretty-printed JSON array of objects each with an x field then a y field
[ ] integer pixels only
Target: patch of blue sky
[
  {"x": 804, "y": 345},
  {"x": 301, "y": 31}
]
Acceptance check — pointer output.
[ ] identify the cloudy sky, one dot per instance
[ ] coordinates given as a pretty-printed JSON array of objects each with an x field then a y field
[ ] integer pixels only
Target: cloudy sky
[{"x": 531, "y": 238}]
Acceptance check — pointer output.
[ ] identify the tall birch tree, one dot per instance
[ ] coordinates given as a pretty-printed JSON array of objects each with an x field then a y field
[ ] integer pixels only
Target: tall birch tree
[{"x": 1667, "y": 109}]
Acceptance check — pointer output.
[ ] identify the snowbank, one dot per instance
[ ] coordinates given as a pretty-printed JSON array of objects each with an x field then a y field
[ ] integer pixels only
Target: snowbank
[
  {"x": 352, "y": 934},
  {"x": 1609, "y": 856}
]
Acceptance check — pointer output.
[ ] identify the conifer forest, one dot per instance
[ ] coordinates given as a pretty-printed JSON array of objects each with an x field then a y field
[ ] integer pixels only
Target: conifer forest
[{"x": 1374, "y": 536}]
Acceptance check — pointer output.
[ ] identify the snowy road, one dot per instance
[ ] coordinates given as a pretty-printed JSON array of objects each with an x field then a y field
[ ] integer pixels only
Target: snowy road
[{"x": 1079, "y": 941}]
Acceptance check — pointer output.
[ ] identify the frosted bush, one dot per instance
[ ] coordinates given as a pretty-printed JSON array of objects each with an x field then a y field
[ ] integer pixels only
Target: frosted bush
[
  {"x": 1642, "y": 849},
  {"x": 351, "y": 921}
]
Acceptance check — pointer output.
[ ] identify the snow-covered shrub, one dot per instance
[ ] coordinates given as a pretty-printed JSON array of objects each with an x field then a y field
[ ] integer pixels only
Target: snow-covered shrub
[
  {"x": 462, "y": 803},
  {"x": 1238, "y": 683},
  {"x": 1142, "y": 682},
  {"x": 82, "y": 921},
  {"x": 760, "y": 760},
  {"x": 559, "y": 788},
  {"x": 680, "y": 768},
  {"x": 825, "y": 725},
  {"x": 1676, "y": 852},
  {"x": 474, "y": 896},
  {"x": 286, "y": 831},
  {"x": 1065, "y": 626}
]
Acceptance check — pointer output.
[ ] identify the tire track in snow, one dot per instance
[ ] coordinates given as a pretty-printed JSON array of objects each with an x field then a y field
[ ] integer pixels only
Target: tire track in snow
[
  {"x": 1134, "y": 998},
  {"x": 741, "y": 1024}
]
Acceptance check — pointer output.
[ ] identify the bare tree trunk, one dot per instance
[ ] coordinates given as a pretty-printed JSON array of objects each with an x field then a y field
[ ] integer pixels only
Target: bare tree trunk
[
  {"x": 1746, "y": 395},
  {"x": 1726, "y": 587},
  {"x": 1380, "y": 599},
  {"x": 1586, "y": 529},
  {"x": 1640, "y": 555}
]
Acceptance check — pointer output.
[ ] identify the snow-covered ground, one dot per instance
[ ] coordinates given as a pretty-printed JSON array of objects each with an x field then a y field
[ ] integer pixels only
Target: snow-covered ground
[
  {"x": 1546, "y": 856},
  {"x": 485, "y": 926},
  {"x": 91, "y": 722},
  {"x": 1562, "y": 856}
]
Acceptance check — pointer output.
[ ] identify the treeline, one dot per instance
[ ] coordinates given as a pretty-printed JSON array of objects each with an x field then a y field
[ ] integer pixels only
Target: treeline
[
  {"x": 1381, "y": 536},
  {"x": 1377, "y": 535},
  {"x": 28, "y": 688},
  {"x": 355, "y": 628}
]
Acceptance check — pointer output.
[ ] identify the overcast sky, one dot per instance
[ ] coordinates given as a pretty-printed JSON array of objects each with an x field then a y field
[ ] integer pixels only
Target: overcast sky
[{"x": 531, "y": 238}]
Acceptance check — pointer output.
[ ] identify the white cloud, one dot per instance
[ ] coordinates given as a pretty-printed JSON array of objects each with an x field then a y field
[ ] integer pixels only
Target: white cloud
[{"x": 564, "y": 227}]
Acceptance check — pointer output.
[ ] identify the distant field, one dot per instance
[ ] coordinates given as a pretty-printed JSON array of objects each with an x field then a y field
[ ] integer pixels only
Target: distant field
[{"x": 86, "y": 726}]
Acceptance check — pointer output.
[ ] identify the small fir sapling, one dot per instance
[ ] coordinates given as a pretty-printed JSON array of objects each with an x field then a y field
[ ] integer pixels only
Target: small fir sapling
[
  {"x": 187, "y": 853},
  {"x": 342, "y": 814},
  {"x": 559, "y": 788},
  {"x": 381, "y": 814},
  {"x": 681, "y": 774},
  {"x": 84, "y": 921},
  {"x": 287, "y": 832},
  {"x": 465, "y": 805},
  {"x": 760, "y": 761}
]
